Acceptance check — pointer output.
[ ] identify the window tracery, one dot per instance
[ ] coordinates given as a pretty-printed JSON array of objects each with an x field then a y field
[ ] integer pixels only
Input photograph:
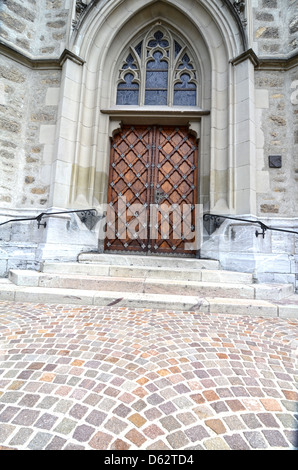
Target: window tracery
[{"x": 159, "y": 70}]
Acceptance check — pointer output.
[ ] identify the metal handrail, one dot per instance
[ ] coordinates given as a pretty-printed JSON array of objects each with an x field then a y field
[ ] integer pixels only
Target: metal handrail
[
  {"x": 206, "y": 217},
  {"x": 43, "y": 215},
  {"x": 263, "y": 226}
]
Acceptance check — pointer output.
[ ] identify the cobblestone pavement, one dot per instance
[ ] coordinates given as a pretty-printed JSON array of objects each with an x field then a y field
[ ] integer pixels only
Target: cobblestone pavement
[{"x": 115, "y": 378}]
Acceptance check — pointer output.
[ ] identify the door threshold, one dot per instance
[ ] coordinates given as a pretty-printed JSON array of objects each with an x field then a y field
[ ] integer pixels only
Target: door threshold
[{"x": 150, "y": 254}]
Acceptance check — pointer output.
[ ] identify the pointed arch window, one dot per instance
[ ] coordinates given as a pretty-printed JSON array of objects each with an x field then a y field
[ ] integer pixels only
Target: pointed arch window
[
  {"x": 158, "y": 71},
  {"x": 128, "y": 86}
]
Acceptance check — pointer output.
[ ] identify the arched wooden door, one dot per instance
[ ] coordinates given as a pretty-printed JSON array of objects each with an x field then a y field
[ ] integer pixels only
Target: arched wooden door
[{"x": 152, "y": 190}]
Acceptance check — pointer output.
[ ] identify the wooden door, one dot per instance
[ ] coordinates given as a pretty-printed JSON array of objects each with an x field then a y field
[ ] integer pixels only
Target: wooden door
[{"x": 152, "y": 190}]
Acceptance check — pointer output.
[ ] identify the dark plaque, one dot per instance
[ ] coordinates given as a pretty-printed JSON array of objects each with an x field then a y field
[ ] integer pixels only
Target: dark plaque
[{"x": 275, "y": 161}]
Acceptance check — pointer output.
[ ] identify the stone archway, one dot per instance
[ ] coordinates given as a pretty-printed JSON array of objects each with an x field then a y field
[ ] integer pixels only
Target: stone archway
[{"x": 89, "y": 111}]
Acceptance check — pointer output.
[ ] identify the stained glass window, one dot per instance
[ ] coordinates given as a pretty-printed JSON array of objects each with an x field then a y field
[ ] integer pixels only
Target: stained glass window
[
  {"x": 128, "y": 88},
  {"x": 158, "y": 70},
  {"x": 157, "y": 80},
  {"x": 128, "y": 92},
  {"x": 185, "y": 89}
]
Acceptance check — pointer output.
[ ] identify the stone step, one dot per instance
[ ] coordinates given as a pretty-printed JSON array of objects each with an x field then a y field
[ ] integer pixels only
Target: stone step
[
  {"x": 150, "y": 285},
  {"x": 152, "y": 260},
  {"x": 251, "y": 307},
  {"x": 205, "y": 275}
]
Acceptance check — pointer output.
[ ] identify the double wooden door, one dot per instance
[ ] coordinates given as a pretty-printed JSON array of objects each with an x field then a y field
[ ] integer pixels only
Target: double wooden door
[{"x": 152, "y": 190}]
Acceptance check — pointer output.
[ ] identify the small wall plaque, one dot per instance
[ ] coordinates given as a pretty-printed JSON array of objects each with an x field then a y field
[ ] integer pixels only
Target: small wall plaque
[{"x": 275, "y": 161}]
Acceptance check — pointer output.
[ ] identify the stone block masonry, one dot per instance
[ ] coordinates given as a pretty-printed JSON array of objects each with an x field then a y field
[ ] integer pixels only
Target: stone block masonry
[
  {"x": 275, "y": 27},
  {"x": 18, "y": 23},
  {"x": 24, "y": 107},
  {"x": 276, "y": 136},
  {"x": 13, "y": 101},
  {"x": 34, "y": 26},
  {"x": 293, "y": 26}
]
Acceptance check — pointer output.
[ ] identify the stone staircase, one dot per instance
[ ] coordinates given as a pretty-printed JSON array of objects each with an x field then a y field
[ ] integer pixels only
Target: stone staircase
[{"x": 150, "y": 282}]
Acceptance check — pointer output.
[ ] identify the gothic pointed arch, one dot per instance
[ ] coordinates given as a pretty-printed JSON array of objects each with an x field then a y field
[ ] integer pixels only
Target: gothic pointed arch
[
  {"x": 128, "y": 54},
  {"x": 159, "y": 69}
]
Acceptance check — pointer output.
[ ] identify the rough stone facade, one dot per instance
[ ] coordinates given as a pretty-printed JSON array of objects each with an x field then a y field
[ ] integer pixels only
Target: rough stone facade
[
  {"x": 27, "y": 104},
  {"x": 38, "y": 28},
  {"x": 275, "y": 35},
  {"x": 54, "y": 136}
]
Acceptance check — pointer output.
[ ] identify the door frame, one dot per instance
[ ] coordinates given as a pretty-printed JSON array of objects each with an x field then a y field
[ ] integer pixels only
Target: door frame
[{"x": 193, "y": 127}]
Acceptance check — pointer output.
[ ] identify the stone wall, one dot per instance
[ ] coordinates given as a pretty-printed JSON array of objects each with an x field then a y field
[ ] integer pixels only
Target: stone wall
[
  {"x": 28, "y": 101},
  {"x": 292, "y": 22},
  {"x": 277, "y": 187},
  {"x": 36, "y": 31},
  {"x": 294, "y": 109},
  {"x": 275, "y": 26},
  {"x": 36, "y": 27},
  {"x": 275, "y": 37},
  {"x": 19, "y": 23}
]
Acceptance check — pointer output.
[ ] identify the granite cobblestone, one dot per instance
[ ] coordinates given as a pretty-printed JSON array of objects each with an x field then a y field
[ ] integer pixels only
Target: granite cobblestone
[{"x": 97, "y": 378}]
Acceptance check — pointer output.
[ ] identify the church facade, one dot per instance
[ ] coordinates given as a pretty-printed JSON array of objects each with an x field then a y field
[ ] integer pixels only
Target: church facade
[{"x": 154, "y": 114}]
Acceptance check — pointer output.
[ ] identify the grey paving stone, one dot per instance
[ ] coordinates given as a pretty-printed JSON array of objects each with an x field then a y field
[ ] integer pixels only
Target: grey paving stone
[
  {"x": 122, "y": 411},
  {"x": 139, "y": 405},
  {"x": 251, "y": 421},
  {"x": 275, "y": 438},
  {"x": 152, "y": 413},
  {"x": 57, "y": 443},
  {"x": 115, "y": 425},
  {"x": 78, "y": 411},
  {"x": 92, "y": 399},
  {"x": 63, "y": 405},
  {"x": 40, "y": 441},
  {"x": 170, "y": 423},
  {"x": 5, "y": 431},
  {"x": 268, "y": 420},
  {"x": 66, "y": 426},
  {"x": 47, "y": 402},
  {"x": 106, "y": 404},
  {"x": 29, "y": 400},
  {"x": 21, "y": 437},
  {"x": 234, "y": 423},
  {"x": 155, "y": 399},
  {"x": 292, "y": 437},
  {"x": 186, "y": 418},
  {"x": 288, "y": 421},
  {"x": 158, "y": 445},
  {"x": 168, "y": 408},
  {"x": 11, "y": 397},
  {"x": 290, "y": 405},
  {"x": 100, "y": 441},
  {"x": 83, "y": 433},
  {"x": 74, "y": 447},
  {"x": 256, "y": 440},
  {"x": 96, "y": 417},
  {"x": 8, "y": 413},
  {"x": 182, "y": 402},
  {"x": 236, "y": 442},
  {"x": 46, "y": 421},
  {"x": 178, "y": 440},
  {"x": 26, "y": 417},
  {"x": 197, "y": 433}
]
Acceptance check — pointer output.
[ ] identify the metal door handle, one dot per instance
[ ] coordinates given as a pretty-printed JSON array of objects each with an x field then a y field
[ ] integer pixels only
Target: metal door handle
[{"x": 159, "y": 196}]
